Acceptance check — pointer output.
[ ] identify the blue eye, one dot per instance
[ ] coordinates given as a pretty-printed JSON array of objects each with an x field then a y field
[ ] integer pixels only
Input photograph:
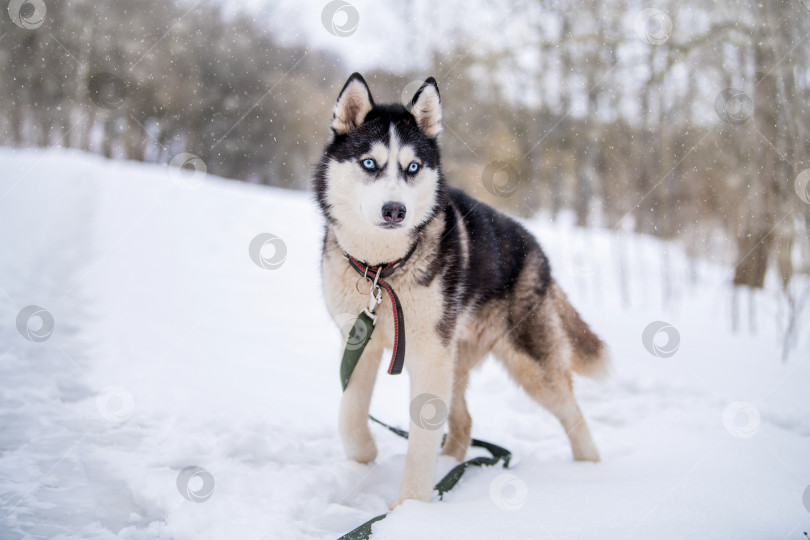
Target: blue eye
[
  {"x": 413, "y": 167},
  {"x": 369, "y": 164}
]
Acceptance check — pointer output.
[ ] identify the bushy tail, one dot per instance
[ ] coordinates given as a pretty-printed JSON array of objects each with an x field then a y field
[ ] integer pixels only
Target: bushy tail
[{"x": 590, "y": 354}]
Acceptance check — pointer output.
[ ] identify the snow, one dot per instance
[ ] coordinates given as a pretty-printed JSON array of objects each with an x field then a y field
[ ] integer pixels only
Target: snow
[{"x": 172, "y": 349}]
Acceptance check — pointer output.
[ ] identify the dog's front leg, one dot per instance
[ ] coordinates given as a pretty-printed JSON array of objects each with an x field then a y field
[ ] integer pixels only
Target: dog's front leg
[
  {"x": 353, "y": 420},
  {"x": 430, "y": 367}
]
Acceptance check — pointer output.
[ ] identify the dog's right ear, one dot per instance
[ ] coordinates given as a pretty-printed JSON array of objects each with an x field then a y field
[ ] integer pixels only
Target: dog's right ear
[
  {"x": 426, "y": 108},
  {"x": 353, "y": 104}
]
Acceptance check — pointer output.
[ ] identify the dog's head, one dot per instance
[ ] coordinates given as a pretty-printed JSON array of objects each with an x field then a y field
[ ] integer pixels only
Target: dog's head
[{"x": 379, "y": 180}]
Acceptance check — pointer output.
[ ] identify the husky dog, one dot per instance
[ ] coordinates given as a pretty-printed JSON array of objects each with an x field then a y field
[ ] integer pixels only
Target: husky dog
[{"x": 471, "y": 281}]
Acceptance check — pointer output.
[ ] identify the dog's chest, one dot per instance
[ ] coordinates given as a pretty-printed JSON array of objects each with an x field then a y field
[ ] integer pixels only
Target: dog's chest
[{"x": 347, "y": 295}]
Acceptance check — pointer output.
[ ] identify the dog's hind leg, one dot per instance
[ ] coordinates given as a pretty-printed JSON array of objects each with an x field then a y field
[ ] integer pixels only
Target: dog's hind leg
[
  {"x": 561, "y": 402},
  {"x": 459, "y": 421},
  {"x": 354, "y": 404},
  {"x": 537, "y": 354}
]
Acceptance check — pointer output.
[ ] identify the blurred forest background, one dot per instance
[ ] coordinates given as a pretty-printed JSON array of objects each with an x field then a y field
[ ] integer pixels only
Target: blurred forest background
[{"x": 687, "y": 120}]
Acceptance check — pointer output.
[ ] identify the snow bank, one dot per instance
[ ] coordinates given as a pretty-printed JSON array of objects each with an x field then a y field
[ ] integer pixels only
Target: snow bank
[{"x": 172, "y": 349}]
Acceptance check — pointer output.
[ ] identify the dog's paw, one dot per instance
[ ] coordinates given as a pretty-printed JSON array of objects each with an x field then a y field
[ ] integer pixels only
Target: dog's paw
[
  {"x": 588, "y": 456},
  {"x": 586, "y": 452},
  {"x": 403, "y": 499},
  {"x": 409, "y": 492},
  {"x": 361, "y": 450}
]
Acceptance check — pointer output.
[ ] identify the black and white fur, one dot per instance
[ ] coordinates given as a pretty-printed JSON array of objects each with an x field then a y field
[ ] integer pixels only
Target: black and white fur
[{"x": 477, "y": 282}]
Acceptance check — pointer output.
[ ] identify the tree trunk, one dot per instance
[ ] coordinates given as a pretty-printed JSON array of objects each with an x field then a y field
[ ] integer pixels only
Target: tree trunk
[{"x": 754, "y": 238}]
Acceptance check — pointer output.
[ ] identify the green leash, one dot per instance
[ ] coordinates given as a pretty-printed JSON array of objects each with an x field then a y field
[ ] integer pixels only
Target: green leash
[{"x": 359, "y": 336}]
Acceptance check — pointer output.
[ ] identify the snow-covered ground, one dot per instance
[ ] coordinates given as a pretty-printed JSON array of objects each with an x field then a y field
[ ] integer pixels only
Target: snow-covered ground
[{"x": 171, "y": 348}]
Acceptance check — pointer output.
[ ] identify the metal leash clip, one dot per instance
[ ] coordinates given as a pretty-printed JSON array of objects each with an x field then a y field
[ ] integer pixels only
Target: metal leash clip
[{"x": 375, "y": 299}]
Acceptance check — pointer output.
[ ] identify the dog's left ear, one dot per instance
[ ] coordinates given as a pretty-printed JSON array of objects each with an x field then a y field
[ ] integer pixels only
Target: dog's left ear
[
  {"x": 426, "y": 108},
  {"x": 353, "y": 104}
]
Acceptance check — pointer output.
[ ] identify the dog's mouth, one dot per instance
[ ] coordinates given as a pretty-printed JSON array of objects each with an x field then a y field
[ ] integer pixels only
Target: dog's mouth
[{"x": 389, "y": 225}]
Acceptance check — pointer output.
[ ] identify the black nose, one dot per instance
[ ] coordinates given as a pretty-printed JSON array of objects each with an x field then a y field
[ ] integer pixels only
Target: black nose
[{"x": 393, "y": 212}]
